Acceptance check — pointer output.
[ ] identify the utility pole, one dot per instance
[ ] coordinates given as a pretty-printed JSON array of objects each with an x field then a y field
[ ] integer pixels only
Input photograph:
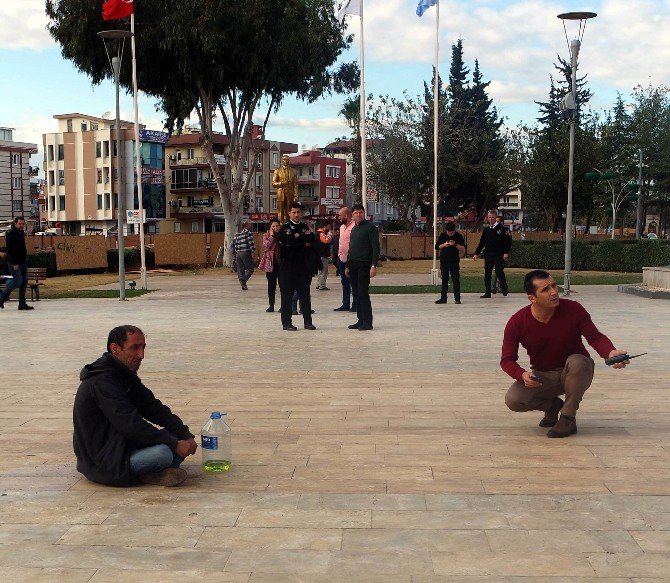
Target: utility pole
[{"x": 639, "y": 223}]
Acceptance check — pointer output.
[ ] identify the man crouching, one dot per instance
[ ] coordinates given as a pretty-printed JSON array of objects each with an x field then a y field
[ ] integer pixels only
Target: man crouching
[
  {"x": 551, "y": 330},
  {"x": 115, "y": 439}
]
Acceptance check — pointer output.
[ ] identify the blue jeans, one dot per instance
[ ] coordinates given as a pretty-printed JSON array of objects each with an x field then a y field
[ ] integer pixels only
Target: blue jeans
[
  {"x": 347, "y": 292},
  {"x": 153, "y": 459},
  {"x": 20, "y": 280}
]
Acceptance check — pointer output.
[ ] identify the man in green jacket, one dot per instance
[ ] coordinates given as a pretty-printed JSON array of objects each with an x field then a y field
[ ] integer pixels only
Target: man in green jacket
[{"x": 362, "y": 265}]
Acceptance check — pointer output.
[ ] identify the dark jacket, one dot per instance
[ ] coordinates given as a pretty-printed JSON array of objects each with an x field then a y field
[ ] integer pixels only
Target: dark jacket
[
  {"x": 495, "y": 240},
  {"x": 450, "y": 254},
  {"x": 113, "y": 413},
  {"x": 297, "y": 252},
  {"x": 364, "y": 244},
  {"x": 17, "y": 253}
]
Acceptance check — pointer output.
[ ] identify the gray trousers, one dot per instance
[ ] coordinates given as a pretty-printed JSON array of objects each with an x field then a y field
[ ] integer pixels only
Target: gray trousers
[
  {"x": 323, "y": 274},
  {"x": 245, "y": 265},
  {"x": 572, "y": 380}
]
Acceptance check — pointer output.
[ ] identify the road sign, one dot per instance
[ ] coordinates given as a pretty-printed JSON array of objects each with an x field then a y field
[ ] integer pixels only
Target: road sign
[{"x": 133, "y": 217}]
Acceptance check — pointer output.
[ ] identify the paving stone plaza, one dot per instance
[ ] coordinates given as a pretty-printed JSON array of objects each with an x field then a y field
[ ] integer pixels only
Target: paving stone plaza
[{"x": 382, "y": 456}]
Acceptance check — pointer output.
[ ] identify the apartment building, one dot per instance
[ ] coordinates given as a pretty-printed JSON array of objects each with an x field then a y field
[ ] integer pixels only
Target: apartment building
[
  {"x": 378, "y": 206},
  {"x": 15, "y": 177},
  {"x": 509, "y": 205},
  {"x": 322, "y": 182},
  {"x": 194, "y": 203},
  {"x": 81, "y": 166}
]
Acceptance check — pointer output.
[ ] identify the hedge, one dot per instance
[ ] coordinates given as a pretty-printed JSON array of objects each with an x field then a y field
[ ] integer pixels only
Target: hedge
[
  {"x": 131, "y": 256},
  {"x": 43, "y": 259},
  {"x": 608, "y": 255}
]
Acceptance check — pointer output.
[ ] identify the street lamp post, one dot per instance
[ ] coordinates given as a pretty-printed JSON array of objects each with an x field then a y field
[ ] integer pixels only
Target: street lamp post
[
  {"x": 569, "y": 108},
  {"x": 114, "y": 41},
  {"x": 639, "y": 227}
]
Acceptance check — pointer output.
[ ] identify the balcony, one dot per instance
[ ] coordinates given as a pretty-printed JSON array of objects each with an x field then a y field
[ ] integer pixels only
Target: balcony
[
  {"x": 193, "y": 186},
  {"x": 196, "y": 162},
  {"x": 195, "y": 211},
  {"x": 33, "y": 171},
  {"x": 308, "y": 179}
]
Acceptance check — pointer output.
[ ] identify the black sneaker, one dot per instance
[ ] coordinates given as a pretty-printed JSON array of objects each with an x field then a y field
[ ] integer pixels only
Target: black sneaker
[
  {"x": 341, "y": 309},
  {"x": 26, "y": 307},
  {"x": 365, "y": 327},
  {"x": 441, "y": 301},
  {"x": 270, "y": 309},
  {"x": 290, "y": 328},
  {"x": 485, "y": 296},
  {"x": 457, "y": 301},
  {"x": 355, "y": 326},
  {"x": 310, "y": 327}
]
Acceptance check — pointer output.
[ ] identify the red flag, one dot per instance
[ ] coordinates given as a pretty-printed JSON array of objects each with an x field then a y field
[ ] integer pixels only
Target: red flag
[{"x": 115, "y": 9}]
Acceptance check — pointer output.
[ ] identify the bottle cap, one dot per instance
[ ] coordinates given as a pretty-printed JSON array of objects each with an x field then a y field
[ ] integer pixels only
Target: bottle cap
[{"x": 215, "y": 415}]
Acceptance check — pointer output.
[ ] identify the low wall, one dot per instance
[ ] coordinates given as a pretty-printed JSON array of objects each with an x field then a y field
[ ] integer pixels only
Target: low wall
[{"x": 656, "y": 277}]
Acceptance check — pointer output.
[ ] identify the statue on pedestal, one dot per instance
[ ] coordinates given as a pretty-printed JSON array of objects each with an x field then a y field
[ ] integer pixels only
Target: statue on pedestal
[{"x": 285, "y": 180}]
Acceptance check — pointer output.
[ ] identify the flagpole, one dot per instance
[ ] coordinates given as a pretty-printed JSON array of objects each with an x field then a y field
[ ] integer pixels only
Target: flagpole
[
  {"x": 364, "y": 170},
  {"x": 436, "y": 102},
  {"x": 138, "y": 159}
]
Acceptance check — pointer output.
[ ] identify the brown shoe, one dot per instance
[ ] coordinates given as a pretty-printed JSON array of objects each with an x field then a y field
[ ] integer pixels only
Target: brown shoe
[
  {"x": 551, "y": 417},
  {"x": 167, "y": 477},
  {"x": 565, "y": 427}
]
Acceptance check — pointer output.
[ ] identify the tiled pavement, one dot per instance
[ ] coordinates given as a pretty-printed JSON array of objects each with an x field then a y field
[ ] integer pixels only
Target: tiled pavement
[{"x": 358, "y": 456}]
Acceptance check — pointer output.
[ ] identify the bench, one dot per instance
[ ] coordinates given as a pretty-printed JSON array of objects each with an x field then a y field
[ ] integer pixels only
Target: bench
[{"x": 36, "y": 277}]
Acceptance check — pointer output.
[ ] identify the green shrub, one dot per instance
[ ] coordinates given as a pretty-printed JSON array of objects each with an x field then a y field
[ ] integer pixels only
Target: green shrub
[
  {"x": 608, "y": 255},
  {"x": 44, "y": 259},
  {"x": 131, "y": 257}
]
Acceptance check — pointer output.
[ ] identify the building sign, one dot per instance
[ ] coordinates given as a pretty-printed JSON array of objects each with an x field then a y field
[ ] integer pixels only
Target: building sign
[
  {"x": 262, "y": 216},
  {"x": 202, "y": 202},
  {"x": 153, "y": 175},
  {"x": 133, "y": 217},
  {"x": 220, "y": 159},
  {"x": 154, "y": 136},
  {"x": 332, "y": 201}
]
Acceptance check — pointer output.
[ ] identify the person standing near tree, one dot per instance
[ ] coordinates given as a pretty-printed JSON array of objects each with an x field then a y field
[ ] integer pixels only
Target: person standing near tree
[
  {"x": 450, "y": 244},
  {"x": 17, "y": 262},
  {"x": 244, "y": 248},
  {"x": 361, "y": 266},
  {"x": 496, "y": 243}
]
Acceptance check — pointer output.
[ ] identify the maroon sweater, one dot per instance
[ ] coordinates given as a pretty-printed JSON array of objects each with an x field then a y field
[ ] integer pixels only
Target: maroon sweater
[{"x": 549, "y": 345}]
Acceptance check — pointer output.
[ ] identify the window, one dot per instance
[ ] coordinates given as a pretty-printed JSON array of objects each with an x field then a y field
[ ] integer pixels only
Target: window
[
  {"x": 51, "y": 152},
  {"x": 259, "y": 204},
  {"x": 61, "y": 203},
  {"x": 105, "y": 174},
  {"x": 16, "y": 182},
  {"x": 84, "y": 127},
  {"x": 100, "y": 202},
  {"x": 190, "y": 153},
  {"x": 114, "y": 148},
  {"x": 312, "y": 171},
  {"x": 61, "y": 152},
  {"x": 99, "y": 175},
  {"x": 195, "y": 227},
  {"x": 61, "y": 177},
  {"x": 259, "y": 181},
  {"x": 186, "y": 178},
  {"x": 219, "y": 227},
  {"x": 332, "y": 172},
  {"x": 259, "y": 160},
  {"x": 273, "y": 203},
  {"x": 52, "y": 203},
  {"x": 275, "y": 158},
  {"x": 94, "y": 126},
  {"x": 115, "y": 174},
  {"x": 16, "y": 159},
  {"x": 107, "y": 201},
  {"x": 332, "y": 192},
  {"x": 17, "y": 207},
  {"x": 105, "y": 148},
  {"x": 52, "y": 180},
  {"x": 98, "y": 149},
  {"x": 177, "y": 227},
  {"x": 116, "y": 200},
  {"x": 69, "y": 125}
]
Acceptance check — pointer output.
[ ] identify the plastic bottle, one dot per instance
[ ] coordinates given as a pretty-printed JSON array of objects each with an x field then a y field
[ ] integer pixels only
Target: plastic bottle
[{"x": 217, "y": 447}]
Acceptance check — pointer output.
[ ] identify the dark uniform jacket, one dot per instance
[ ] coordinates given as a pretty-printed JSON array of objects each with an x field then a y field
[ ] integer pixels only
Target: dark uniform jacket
[
  {"x": 113, "y": 414},
  {"x": 297, "y": 249},
  {"x": 17, "y": 253},
  {"x": 450, "y": 254},
  {"x": 495, "y": 240}
]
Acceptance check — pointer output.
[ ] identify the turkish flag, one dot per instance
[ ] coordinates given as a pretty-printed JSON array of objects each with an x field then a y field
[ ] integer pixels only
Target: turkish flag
[{"x": 115, "y": 9}]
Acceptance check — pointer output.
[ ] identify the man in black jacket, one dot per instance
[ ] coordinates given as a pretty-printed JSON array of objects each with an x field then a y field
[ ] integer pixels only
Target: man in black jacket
[
  {"x": 450, "y": 244},
  {"x": 115, "y": 439},
  {"x": 496, "y": 243},
  {"x": 298, "y": 263},
  {"x": 17, "y": 257}
]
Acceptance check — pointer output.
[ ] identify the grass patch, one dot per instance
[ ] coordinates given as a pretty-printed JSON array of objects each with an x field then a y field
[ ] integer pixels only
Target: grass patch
[
  {"x": 93, "y": 293},
  {"x": 475, "y": 283}
]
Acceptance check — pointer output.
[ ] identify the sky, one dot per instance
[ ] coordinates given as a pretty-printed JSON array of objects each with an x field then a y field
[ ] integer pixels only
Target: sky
[{"x": 515, "y": 41}]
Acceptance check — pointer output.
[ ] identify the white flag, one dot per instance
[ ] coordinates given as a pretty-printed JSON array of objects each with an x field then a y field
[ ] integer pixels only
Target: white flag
[{"x": 349, "y": 7}]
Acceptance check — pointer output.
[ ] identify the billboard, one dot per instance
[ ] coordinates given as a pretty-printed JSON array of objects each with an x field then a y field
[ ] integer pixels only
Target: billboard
[{"x": 154, "y": 136}]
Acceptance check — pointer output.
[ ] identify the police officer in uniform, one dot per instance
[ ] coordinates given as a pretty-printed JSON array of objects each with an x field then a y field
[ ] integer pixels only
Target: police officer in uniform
[
  {"x": 296, "y": 267},
  {"x": 496, "y": 243}
]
